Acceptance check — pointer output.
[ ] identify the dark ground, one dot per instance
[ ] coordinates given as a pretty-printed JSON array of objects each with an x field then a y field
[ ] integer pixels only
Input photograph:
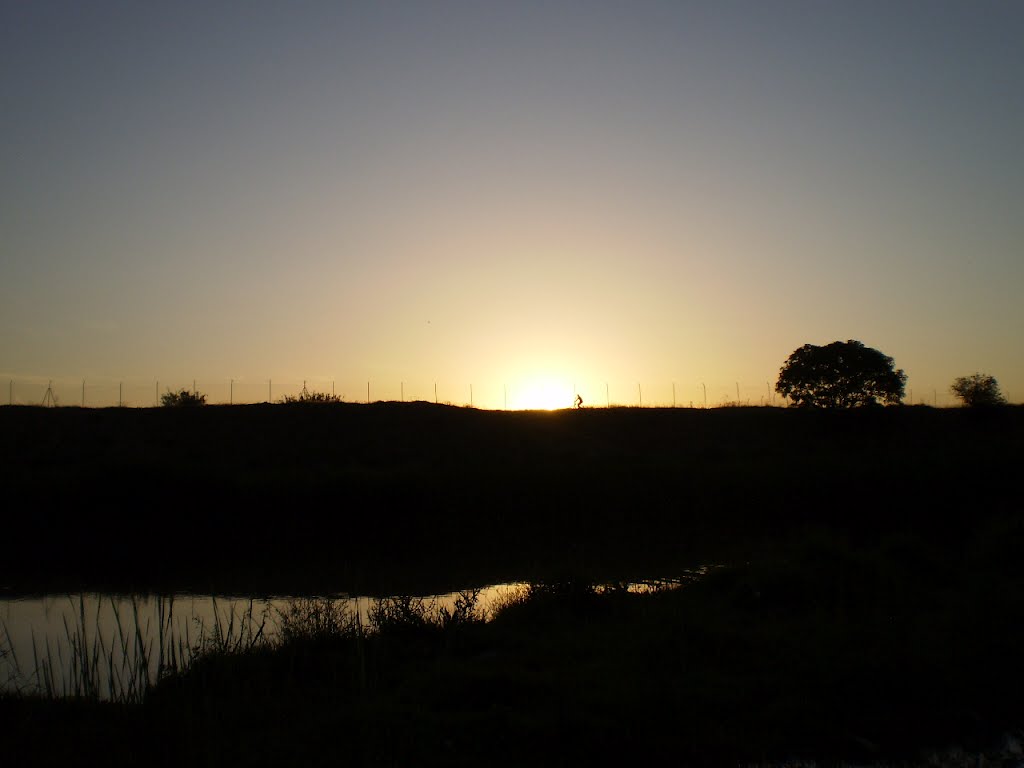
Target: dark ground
[
  {"x": 416, "y": 497},
  {"x": 871, "y": 603}
]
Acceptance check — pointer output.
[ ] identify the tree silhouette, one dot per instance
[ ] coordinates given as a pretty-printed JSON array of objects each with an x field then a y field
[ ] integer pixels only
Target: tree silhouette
[
  {"x": 840, "y": 375},
  {"x": 977, "y": 390}
]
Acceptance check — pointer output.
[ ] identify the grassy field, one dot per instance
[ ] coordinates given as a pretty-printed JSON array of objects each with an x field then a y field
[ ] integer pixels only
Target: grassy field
[{"x": 868, "y": 602}]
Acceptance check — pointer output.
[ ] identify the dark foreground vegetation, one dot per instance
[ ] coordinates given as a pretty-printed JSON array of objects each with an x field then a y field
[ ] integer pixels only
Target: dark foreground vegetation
[
  {"x": 831, "y": 655},
  {"x": 869, "y": 605}
]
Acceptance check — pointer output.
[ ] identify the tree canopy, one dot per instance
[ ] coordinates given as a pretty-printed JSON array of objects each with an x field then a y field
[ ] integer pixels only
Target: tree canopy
[
  {"x": 843, "y": 374},
  {"x": 978, "y": 389}
]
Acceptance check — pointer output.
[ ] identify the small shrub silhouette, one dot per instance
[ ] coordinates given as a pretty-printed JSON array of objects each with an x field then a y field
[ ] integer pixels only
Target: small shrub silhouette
[
  {"x": 182, "y": 398},
  {"x": 978, "y": 390},
  {"x": 307, "y": 396}
]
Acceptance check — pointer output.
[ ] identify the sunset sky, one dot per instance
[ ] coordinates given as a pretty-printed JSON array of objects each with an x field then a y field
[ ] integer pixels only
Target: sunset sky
[{"x": 529, "y": 198}]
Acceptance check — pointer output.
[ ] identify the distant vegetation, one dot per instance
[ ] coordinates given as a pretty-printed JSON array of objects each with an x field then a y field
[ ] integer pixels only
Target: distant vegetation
[
  {"x": 840, "y": 375},
  {"x": 182, "y": 398},
  {"x": 308, "y": 396},
  {"x": 978, "y": 390}
]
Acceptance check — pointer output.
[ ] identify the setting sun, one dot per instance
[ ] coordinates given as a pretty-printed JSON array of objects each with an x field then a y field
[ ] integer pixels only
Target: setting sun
[{"x": 541, "y": 394}]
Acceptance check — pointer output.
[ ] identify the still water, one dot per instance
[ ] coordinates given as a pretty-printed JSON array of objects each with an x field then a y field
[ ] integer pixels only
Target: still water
[{"x": 113, "y": 646}]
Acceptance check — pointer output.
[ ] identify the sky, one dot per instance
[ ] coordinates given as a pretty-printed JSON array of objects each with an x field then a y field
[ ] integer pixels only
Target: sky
[{"x": 513, "y": 202}]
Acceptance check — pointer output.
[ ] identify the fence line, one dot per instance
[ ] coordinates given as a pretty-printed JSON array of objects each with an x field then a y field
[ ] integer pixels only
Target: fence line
[{"x": 145, "y": 393}]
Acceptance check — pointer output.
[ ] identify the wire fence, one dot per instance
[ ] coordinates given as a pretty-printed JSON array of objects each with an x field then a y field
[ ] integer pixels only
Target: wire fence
[{"x": 147, "y": 393}]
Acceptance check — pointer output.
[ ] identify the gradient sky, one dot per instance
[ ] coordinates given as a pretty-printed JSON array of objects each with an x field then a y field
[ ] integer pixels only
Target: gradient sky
[{"x": 518, "y": 196}]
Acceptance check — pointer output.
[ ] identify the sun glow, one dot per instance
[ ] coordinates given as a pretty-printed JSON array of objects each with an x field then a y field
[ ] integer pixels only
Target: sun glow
[{"x": 542, "y": 394}]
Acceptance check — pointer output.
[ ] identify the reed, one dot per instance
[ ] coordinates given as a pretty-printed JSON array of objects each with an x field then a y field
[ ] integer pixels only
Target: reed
[
  {"x": 231, "y": 634},
  {"x": 124, "y": 667}
]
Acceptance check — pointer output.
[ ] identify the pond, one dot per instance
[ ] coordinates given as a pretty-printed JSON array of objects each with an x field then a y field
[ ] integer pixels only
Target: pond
[
  {"x": 114, "y": 646},
  {"x": 108, "y": 646}
]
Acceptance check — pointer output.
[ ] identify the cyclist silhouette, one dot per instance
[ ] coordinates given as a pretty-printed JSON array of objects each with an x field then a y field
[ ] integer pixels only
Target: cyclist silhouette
[{"x": 579, "y": 401}]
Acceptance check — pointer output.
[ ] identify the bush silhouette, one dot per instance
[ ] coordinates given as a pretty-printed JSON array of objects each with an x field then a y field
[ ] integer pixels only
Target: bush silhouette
[
  {"x": 311, "y": 396},
  {"x": 978, "y": 390},
  {"x": 840, "y": 375},
  {"x": 182, "y": 398}
]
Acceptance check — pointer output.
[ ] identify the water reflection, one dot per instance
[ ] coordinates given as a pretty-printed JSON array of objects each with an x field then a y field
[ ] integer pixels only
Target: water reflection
[
  {"x": 104, "y": 646},
  {"x": 113, "y": 646}
]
